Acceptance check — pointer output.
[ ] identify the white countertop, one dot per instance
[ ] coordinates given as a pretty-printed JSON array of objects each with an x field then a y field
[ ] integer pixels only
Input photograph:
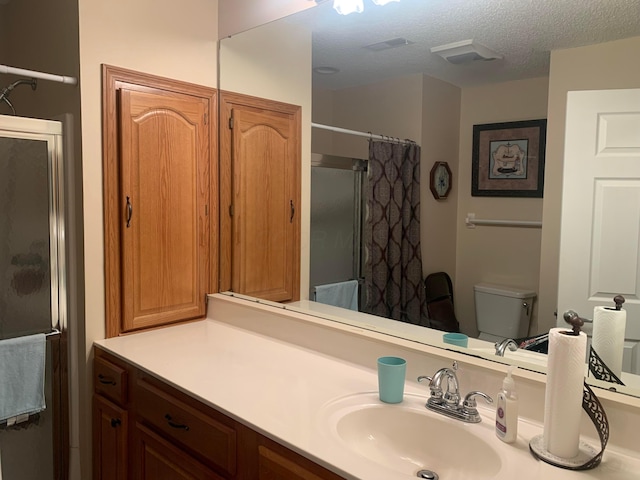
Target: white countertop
[{"x": 279, "y": 389}]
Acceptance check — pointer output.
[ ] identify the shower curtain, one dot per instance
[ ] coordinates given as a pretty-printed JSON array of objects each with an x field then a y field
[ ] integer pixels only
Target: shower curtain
[{"x": 393, "y": 264}]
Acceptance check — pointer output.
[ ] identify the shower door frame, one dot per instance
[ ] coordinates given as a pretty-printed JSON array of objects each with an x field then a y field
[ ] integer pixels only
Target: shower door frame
[
  {"x": 359, "y": 167},
  {"x": 51, "y": 132}
]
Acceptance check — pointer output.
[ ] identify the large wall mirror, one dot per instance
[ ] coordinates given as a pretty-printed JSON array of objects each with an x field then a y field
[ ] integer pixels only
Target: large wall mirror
[{"x": 374, "y": 72}]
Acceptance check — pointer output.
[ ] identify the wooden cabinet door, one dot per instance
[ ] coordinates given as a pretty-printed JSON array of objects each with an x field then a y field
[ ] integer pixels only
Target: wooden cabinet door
[
  {"x": 110, "y": 432},
  {"x": 160, "y": 141},
  {"x": 164, "y": 197},
  {"x": 157, "y": 459},
  {"x": 278, "y": 463},
  {"x": 263, "y": 143}
]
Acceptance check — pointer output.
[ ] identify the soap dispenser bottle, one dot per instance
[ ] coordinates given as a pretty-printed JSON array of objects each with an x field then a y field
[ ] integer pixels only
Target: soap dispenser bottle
[{"x": 507, "y": 410}]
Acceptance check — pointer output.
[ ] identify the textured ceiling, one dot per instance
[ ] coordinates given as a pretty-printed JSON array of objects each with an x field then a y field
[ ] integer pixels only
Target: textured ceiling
[{"x": 524, "y": 31}]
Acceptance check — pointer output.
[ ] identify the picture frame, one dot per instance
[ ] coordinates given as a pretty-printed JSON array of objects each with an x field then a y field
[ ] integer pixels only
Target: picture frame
[{"x": 508, "y": 159}]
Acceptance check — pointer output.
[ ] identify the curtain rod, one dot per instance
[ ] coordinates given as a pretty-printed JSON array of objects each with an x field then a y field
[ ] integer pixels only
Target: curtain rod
[
  {"x": 368, "y": 135},
  {"x": 41, "y": 75}
]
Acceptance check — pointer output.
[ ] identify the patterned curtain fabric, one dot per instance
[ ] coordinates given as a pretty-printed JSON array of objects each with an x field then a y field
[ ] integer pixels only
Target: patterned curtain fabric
[{"x": 393, "y": 263}]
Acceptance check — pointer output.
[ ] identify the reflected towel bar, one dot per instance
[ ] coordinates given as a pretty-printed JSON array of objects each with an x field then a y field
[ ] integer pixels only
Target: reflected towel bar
[{"x": 471, "y": 221}]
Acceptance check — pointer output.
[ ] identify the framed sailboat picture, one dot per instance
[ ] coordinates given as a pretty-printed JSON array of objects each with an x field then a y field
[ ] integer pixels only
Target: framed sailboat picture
[{"x": 508, "y": 159}]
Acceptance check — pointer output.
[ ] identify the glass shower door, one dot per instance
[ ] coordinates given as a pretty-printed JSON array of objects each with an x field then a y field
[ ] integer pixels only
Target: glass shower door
[
  {"x": 32, "y": 293},
  {"x": 336, "y": 219}
]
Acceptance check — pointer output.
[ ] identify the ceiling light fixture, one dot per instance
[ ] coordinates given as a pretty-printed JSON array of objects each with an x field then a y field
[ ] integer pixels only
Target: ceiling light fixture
[{"x": 345, "y": 7}]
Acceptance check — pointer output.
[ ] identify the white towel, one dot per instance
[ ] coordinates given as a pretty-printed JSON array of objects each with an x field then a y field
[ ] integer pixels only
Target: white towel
[
  {"x": 341, "y": 294},
  {"x": 22, "y": 362}
]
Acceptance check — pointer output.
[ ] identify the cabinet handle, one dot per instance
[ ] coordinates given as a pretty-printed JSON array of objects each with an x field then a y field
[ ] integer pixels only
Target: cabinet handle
[
  {"x": 129, "y": 212},
  {"x": 106, "y": 380},
  {"x": 172, "y": 424},
  {"x": 293, "y": 211},
  {"x": 115, "y": 422}
]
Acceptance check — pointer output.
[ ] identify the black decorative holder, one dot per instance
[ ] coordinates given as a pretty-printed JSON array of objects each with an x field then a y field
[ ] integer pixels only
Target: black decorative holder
[
  {"x": 599, "y": 369},
  {"x": 588, "y": 457}
]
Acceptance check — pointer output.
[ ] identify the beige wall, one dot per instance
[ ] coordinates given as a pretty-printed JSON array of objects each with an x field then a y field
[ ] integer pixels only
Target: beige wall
[
  {"x": 240, "y": 15},
  {"x": 389, "y": 108},
  {"x": 163, "y": 38},
  {"x": 322, "y": 113},
  {"x": 441, "y": 104},
  {"x": 501, "y": 255},
  {"x": 274, "y": 62},
  {"x": 597, "y": 67}
]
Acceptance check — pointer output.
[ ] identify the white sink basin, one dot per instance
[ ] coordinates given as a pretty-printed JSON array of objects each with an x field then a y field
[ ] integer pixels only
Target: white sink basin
[{"x": 407, "y": 438}]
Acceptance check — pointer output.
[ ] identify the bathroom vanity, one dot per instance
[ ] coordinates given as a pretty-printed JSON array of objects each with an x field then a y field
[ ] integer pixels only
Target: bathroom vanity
[
  {"x": 145, "y": 428},
  {"x": 255, "y": 392}
]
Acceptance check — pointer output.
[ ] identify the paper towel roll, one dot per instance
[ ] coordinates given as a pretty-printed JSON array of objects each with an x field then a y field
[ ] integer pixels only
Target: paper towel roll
[
  {"x": 563, "y": 394},
  {"x": 608, "y": 336}
]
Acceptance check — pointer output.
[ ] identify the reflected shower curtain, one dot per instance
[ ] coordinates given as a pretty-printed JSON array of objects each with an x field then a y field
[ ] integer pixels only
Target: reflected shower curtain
[{"x": 393, "y": 265}]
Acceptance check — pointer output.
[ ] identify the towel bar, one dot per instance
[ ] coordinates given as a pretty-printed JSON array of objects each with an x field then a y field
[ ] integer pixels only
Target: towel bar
[
  {"x": 471, "y": 221},
  {"x": 53, "y": 333}
]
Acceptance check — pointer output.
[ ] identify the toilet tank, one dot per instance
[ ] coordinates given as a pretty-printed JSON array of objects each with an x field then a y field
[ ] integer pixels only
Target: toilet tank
[{"x": 503, "y": 311}]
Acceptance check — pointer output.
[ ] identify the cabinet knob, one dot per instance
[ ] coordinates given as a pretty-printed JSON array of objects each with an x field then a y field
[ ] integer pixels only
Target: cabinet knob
[{"x": 115, "y": 422}]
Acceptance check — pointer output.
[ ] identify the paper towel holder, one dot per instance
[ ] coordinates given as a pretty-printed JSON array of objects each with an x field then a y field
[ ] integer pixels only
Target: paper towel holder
[
  {"x": 597, "y": 367},
  {"x": 588, "y": 457},
  {"x": 618, "y": 300},
  {"x": 573, "y": 319}
]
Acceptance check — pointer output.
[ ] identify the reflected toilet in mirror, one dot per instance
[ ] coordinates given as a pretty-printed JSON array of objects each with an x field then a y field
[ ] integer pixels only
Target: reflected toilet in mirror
[{"x": 502, "y": 311}]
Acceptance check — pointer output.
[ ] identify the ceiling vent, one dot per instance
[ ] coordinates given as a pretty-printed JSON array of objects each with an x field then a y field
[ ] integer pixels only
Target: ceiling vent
[
  {"x": 465, "y": 51},
  {"x": 387, "y": 44}
]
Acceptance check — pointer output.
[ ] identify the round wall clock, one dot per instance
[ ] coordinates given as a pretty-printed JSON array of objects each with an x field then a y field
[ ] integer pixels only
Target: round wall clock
[{"x": 440, "y": 180}]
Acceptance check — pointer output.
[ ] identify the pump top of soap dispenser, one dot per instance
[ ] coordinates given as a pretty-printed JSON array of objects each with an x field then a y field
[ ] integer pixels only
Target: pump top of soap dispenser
[{"x": 508, "y": 384}]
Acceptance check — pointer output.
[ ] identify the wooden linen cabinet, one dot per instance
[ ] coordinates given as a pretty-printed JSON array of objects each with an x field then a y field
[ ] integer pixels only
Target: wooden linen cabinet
[
  {"x": 160, "y": 142},
  {"x": 260, "y": 214}
]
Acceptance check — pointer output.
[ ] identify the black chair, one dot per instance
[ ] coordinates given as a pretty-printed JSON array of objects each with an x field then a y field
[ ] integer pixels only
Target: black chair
[{"x": 439, "y": 298}]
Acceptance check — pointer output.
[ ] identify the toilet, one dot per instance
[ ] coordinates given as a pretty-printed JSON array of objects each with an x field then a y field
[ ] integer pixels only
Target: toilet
[{"x": 502, "y": 312}]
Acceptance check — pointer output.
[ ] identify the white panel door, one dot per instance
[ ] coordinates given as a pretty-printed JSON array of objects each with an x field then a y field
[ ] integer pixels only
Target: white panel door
[{"x": 600, "y": 242}]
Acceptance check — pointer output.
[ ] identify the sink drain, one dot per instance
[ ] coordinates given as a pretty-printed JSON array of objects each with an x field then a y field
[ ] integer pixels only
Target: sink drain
[{"x": 428, "y": 474}]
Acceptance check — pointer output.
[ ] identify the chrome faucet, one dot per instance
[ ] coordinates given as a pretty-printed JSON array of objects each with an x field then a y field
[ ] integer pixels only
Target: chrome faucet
[
  {"x": 448, "y": 402},
  {"x": 502, "y": 346}
]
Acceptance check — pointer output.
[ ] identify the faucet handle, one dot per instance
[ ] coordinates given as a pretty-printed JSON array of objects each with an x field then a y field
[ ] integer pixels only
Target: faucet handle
[
  {"x": 435, "y": 390},
  {"x": 469, "y": 402}
]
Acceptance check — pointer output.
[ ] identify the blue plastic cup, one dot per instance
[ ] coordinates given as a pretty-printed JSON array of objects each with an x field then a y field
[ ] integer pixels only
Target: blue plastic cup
[
  {"x": 459, "y": 339},
  {"x": 391, "y": 376}
]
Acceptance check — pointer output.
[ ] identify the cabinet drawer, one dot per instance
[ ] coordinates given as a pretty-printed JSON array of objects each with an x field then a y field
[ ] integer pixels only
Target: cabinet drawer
[
  {"x": 110, "y": 380},
  {"x": 194, "y": 430}
]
